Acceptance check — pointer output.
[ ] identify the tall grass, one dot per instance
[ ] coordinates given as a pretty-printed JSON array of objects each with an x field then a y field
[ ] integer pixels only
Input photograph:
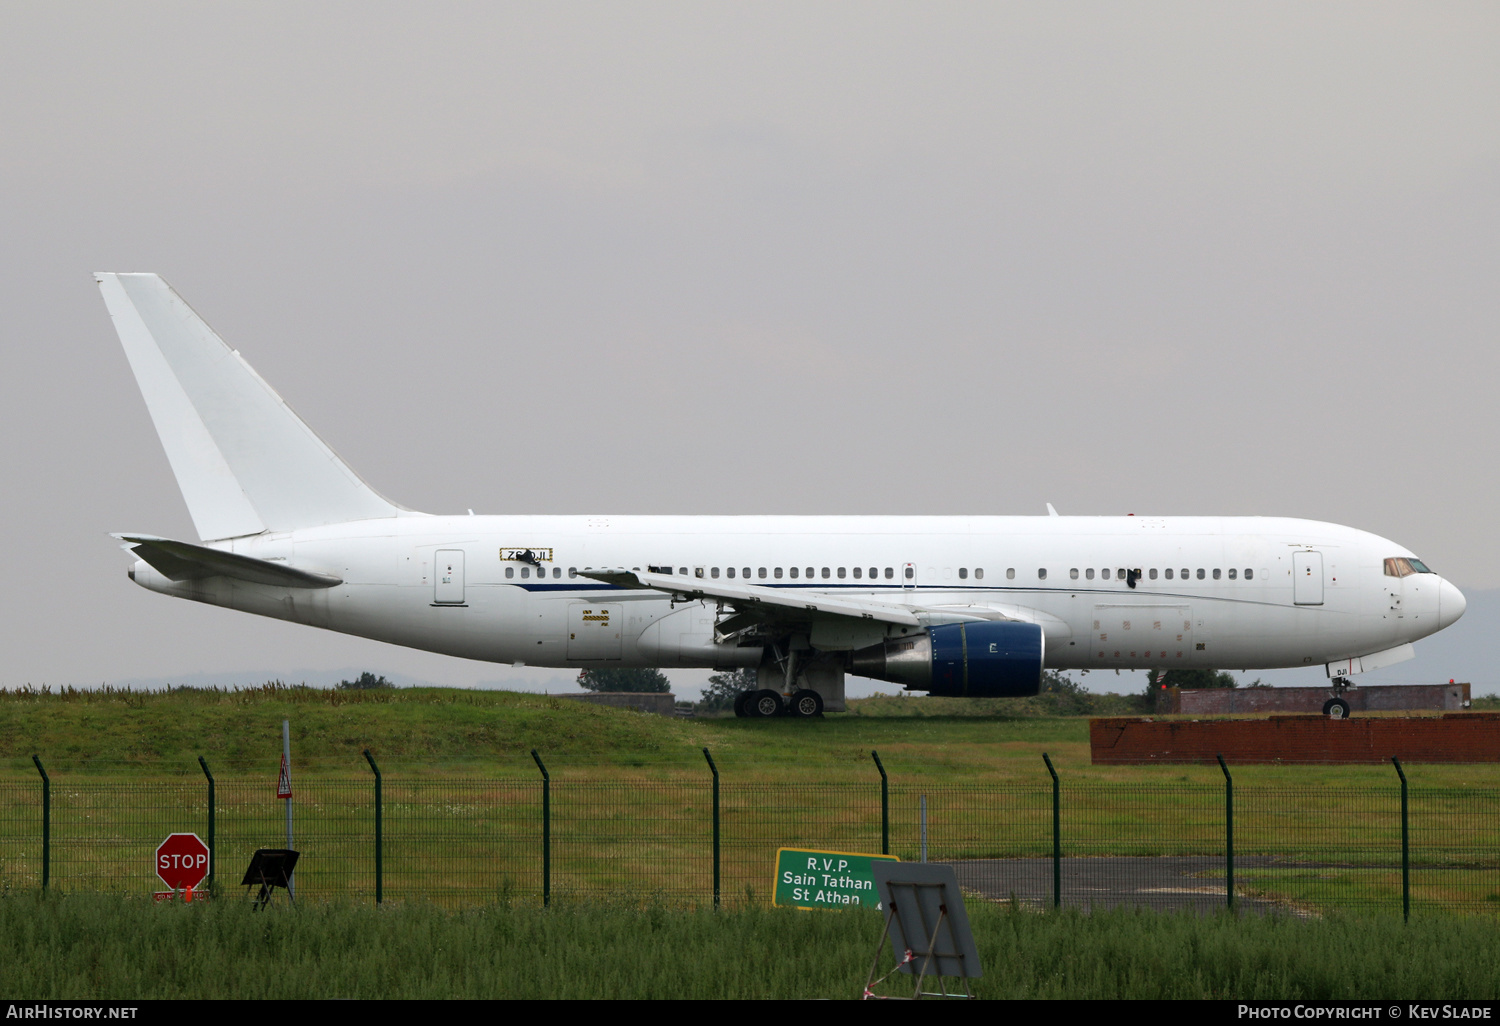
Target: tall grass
[{"x": 110, "y": 947}]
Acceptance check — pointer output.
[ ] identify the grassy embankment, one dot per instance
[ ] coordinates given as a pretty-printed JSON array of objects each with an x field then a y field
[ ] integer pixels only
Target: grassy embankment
[
  {"x": 621, "y": 775},
  {"x": 95, "y": 946},
  {"x": 455, "y": 731}
]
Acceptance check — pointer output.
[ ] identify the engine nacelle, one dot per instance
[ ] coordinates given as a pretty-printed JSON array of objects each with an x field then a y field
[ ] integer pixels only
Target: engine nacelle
[{"x": 994, "y": 659}]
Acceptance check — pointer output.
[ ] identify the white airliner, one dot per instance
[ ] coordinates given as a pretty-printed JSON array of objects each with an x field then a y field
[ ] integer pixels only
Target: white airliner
[{"x": 959, "y": 605}]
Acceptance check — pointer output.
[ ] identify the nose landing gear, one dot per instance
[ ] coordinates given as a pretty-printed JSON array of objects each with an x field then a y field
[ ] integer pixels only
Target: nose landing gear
[{"x": 1337, "y": 707}]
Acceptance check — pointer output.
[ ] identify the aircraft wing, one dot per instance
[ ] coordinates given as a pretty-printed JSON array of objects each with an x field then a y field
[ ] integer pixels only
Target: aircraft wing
[
  {"x": 183, "y": 561},
  {"x": 840, "y": 621},
  {"x": 747, "y": 597}
]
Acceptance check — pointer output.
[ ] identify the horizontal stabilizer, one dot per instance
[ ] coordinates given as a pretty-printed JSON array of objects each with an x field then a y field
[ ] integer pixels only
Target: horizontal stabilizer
[{"x": 183, "y": 561}]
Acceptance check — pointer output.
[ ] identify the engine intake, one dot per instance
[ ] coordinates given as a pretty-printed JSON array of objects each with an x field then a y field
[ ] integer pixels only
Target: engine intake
[{"x": 999, "y": 659}]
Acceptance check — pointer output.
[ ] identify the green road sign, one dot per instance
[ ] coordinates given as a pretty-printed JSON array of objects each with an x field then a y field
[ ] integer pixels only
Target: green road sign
[{"x": 826, "y": 879}]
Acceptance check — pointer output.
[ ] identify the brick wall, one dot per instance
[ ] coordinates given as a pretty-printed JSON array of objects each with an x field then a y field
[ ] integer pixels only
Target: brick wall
[
  {"x": 1218, "y": 701},
  {"x": 657, "y": 702},
  {"x": 1452, "y": 737}
]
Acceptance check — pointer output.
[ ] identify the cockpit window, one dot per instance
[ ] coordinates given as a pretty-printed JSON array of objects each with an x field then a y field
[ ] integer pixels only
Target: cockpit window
[
  {"x": 1404, "y": 566},
  {"x": 1419, "y": 566}
]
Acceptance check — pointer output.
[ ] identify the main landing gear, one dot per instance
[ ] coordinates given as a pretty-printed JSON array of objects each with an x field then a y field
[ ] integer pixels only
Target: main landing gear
[
  {"x": 765, "y": 703},
  {"x": 1337, "y": 707}
]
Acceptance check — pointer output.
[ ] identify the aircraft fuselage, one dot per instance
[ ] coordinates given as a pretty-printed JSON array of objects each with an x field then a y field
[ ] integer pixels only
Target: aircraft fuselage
[{"x": 1222, "y": 592}]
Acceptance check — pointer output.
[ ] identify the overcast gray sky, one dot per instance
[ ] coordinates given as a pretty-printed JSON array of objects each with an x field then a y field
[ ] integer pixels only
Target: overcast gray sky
[{"x": 758, "y": 257}]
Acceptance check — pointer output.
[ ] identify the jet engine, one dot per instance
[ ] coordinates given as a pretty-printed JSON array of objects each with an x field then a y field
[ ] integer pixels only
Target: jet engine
[{"x": 995, "y": 659}]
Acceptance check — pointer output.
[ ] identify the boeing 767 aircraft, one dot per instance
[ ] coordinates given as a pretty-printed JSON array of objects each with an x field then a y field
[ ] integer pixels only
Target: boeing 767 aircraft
[{"x": 957, "y": 605}]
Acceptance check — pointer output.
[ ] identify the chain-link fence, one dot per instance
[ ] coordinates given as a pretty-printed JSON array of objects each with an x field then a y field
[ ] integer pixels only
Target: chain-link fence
[{"x": 634, "y": 835}]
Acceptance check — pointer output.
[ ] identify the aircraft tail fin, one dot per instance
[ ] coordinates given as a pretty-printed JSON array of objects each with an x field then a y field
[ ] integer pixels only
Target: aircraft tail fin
[{"x": 245, "y": 462}]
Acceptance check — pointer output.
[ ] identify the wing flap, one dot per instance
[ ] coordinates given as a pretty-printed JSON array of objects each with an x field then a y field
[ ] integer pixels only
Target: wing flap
[
  {"x": 748, "y": 597},
  {"x": 183, "y": 561}
]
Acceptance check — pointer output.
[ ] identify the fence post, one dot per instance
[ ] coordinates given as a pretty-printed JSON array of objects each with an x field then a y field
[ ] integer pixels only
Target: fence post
[
  {"x": 546, "y": 831},
  {"x": 46, "y": 822},
  {"x": 1405, "y": 847},
  {"x": 379, "y": 839},
  {"x": 212, "y": 854},
  {"x": 885, "y": 806},
  {"x": 1228, "y": 832},
  {"x": 1056, "y": 835},
  {"x": 715, "y": 770}
]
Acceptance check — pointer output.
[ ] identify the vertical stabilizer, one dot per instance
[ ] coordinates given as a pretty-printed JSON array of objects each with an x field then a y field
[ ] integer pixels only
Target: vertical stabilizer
[{"x": 244, "y": 461}]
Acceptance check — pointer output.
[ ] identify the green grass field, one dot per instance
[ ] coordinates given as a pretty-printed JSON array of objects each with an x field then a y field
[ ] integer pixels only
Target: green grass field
[
  {"x": 631, "y": 796},
  {"x": 443, "y": 730},
  {"x": 107, "y": 947}
]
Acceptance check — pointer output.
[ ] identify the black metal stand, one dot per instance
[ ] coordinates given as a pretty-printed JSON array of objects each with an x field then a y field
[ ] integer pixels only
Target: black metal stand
[{"x": 270, "y": 868}]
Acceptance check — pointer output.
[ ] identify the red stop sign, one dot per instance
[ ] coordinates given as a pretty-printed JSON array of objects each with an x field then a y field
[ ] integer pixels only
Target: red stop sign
[{"x": 182, "y": 861}]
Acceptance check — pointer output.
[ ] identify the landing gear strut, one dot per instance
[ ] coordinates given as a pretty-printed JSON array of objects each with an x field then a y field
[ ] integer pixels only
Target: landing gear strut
[{"x": 1337, "y": 707}]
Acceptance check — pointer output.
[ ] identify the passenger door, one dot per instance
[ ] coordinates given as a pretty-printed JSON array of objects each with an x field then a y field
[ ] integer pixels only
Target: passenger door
[{"x": 1307, "y": 578}]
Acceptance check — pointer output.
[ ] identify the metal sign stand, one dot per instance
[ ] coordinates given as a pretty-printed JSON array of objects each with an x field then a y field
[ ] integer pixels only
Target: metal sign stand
[
  {"x": 928, "y": 929},
  {"x": 270, "y": 868}
]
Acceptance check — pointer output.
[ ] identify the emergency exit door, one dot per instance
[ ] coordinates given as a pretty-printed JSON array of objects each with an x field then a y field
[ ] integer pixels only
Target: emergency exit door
[{"x": 448, "y": 577}]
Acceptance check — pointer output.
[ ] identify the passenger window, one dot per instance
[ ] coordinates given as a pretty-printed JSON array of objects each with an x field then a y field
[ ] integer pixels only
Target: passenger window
[
  {"x": 1089, "y": 574},
  {"x": 556, "y": 572},
  {"x": 794, "y": 573},
  {"x": 714, "y": 572},
  {"x": 729, "y": 573},
  {"x": 889, "y": 573},
  {"x": 963, "y": 573},
  {"x": 1041, "y": 573},
  {"x": 911, "y": 572},
  {"x": 841, "y": 573},
  {"x": 1153, "y": 573},
  {"x": 1010, "y": 573},
  {"x": 1216, "y": 573},
  {"x": 826, "y": 573},
  {"x": 1200, "y": 573},
  {"x": 510, "y": 571},
  {"x": 857, "y": 571},
  {"x": 979, "y": 573},
  {"x": 1249, "y": 574},
  {"x": 777, "y": 573},
  {"x": 1232, "y": 573},
  {"x": 1073, "y": 573},
  {"x": 525, "y": 573},
  {"x": 1104, "y": 574},
  {"x": 1169, "y": 573},
  {"x": 572, "y": 572},
  {"x": 762, "y": 573}
]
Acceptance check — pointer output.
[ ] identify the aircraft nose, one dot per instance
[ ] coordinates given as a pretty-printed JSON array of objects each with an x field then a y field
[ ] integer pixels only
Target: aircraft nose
[{"x": 1451, "y": 604}]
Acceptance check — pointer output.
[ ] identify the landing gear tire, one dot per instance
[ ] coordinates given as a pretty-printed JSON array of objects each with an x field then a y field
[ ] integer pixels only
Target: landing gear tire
[
  {"x": 763, "y": 704},
  {"x": 806, "y": 704},
  {"x": 742, "y": 704},
  {"x": 1336, "y": 709}
]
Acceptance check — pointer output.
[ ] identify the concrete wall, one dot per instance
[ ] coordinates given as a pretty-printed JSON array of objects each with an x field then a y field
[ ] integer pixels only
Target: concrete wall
[
  {"x": 1452, "y": 737},
  {"x": 661, "y": 703},
  {"x": 1217, "y": 701}
]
